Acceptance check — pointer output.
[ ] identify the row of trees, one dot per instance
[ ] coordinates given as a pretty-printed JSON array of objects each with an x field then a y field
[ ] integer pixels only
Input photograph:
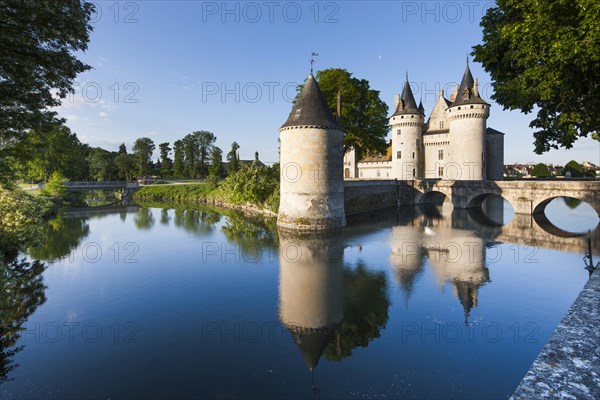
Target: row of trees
[
  {"x": 56, "y": 149},
  {"x": 572, "y": 168}
]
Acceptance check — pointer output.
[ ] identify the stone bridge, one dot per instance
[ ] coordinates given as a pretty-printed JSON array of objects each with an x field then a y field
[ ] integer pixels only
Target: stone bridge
[
  {"x": 526, "y": 196},
  {"x": 92, "y": 185}
]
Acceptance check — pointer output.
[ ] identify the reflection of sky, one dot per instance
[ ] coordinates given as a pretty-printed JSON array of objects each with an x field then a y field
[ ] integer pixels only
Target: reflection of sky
[
  {"x": 185, "y": 283},
  {"x": 579, "y": 219}
]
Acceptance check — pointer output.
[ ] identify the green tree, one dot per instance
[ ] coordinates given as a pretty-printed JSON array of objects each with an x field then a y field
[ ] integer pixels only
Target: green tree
[
  {"x": 233, "y": 162},
  {"x": 39, "y": 42},
  {"x": 45, "y": 151},
  {"x": 540, "y": 171},
  {"x": 574, "y": 168},
  {"x": 543, "y": 55},
  {"x": 216, "y": 170},
  {"x": 253, "y": 184},
  {"x": 364, "y": 114},
  {"x": 206, "y": 141},
  {"x": 20, "y": 221},
  {"x": 178, "y": 159},
  {"x": 190, "y": 148},
  {"x": 102, "y": 164},
  {"x": 142, "y": 152},
  {"x": 55, "y": 187},
  {"x": 125, "y": 165},
  {"x": 122, "y": 149},
  {"x": 165, "y": 161}
]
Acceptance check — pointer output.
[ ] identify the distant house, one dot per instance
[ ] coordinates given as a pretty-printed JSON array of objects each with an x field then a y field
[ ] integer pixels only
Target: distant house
[
  {"x": 250, "y": 162},
  {"x": 246, "y": 163},
  {"x": 517, "y": 170}
]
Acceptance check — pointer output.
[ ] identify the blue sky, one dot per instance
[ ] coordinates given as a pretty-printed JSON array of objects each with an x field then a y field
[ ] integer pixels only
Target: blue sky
[{"x": 163, "y": 69}]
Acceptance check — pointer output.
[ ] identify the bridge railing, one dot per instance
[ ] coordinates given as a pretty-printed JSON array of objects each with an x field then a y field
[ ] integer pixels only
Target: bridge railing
[{"x": 108, "y": 184}]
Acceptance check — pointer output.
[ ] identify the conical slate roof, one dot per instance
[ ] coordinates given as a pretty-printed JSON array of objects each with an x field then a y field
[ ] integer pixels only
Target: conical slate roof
[
  {"x": 311, "y": 109},
  {"x": 466, "y": 94},
  {"x": 407, "y": 104}
]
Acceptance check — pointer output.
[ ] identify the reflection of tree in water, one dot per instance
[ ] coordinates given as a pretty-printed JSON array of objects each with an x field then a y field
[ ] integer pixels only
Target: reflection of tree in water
[
  {"x": 62, "y": 235},
  {"x": 144, "y": 219},
  {"x": 366, "y": 305},
  {"x": 250, "y": 230},
  {"x": 200, "y": 221},
  {"x": 572, "y": 202},
  {"x": 23, "y": 291},
  {"x": 164, "y": 216}
]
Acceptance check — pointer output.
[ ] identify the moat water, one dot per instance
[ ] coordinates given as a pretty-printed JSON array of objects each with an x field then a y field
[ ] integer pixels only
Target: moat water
[{"x": 424, "y": 302}]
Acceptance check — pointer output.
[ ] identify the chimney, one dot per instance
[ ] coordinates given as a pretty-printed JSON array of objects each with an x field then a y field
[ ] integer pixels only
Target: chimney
[
  {"x": 396, "y": 101},
  {"x": 476, "y": 88},
  {"x": 454, "y": 93},
  {"x": 339, "y": 107},
  {"x": 256, "y": 156}
]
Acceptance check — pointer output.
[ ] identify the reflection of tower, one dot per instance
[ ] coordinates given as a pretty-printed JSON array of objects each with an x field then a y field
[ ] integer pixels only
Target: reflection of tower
[
  {"x": 458, "y": 256},
  {"x": 310, "y": 291},
  {"x": 406, "y": 256}
]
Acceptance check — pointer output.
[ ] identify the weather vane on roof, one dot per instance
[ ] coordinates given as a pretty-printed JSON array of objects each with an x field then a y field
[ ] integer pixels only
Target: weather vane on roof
[{"x": 312, "y": 61}]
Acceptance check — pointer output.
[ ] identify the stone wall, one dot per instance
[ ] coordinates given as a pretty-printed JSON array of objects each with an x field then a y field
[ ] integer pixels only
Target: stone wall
[{"x": 367, "y": 195}]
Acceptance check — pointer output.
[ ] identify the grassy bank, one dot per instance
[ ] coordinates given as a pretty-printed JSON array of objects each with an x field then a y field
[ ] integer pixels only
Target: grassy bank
[
  {"x": 188, "y": 195},
  {"x": 177, "y": 193},
  {"x": 253, "y": 188}
]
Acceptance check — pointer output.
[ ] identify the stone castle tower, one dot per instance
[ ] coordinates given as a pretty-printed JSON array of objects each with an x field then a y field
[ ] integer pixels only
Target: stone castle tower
[
  {"x": 312, "y": 183},
  {"x": 407, "y": 134},
  {"x": 467, "y": 116}
]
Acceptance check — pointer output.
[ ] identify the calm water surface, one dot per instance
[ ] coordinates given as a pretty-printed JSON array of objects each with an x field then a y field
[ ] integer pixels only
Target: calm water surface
[{"x": 166, "y": 303}]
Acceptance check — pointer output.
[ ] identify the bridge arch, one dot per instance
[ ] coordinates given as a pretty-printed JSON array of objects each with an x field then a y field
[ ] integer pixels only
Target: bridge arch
[
  {"x": 541, "y": 218},
  {"x": 540, "y": 207}
]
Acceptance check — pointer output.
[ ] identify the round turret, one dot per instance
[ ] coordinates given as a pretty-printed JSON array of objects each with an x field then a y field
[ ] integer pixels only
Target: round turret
[
  {"x": 312, "y": 183},
  {"x": 407, "y": 130},
  {"x": 467, "y": 116}
]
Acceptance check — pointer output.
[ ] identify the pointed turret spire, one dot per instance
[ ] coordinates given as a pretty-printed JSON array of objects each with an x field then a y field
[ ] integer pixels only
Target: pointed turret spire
[
  {"x": 407, "y": 104},
  {"x": 311, "y": 109},
  {"x": 466, "y": 92},
  {"x": 421, "y": 108}
]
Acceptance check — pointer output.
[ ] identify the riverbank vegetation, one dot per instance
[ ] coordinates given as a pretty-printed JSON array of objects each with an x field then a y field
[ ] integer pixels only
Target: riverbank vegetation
[{"x": 254, "y": 185}]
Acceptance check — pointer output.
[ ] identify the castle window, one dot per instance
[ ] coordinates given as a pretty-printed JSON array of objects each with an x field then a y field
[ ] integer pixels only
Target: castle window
[
  {"x": 413, "y": 154},
  {"x": 398, "y": 155},
  {"x": 440, "y": 171},
  {"x": 398, "y": 132},
  {"x": 378, "y": 173},
  {"x": 471, "y": 107},
  {"x": 441, "y": 124},
  {"x": 414, "y": 172},
  {"x": 440, "y": 154}
]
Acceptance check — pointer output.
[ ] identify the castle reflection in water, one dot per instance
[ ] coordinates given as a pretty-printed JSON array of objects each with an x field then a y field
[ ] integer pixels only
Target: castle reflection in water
[{"x": 456, "y": 244}]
